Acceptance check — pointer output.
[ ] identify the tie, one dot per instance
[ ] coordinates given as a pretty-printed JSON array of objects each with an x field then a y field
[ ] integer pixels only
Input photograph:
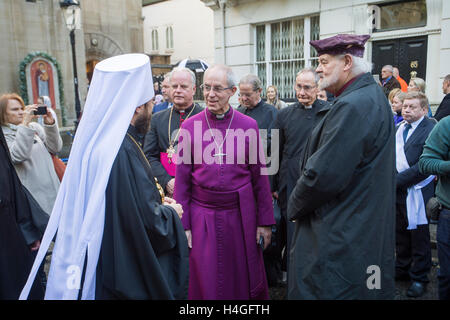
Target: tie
[{"x": 405, "y": 131}]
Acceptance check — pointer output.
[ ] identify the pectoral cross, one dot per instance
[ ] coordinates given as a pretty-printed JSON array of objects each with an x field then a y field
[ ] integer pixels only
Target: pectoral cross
[
  {"x": 220, "y": 154},
  {"x": 170, "y": 153}
]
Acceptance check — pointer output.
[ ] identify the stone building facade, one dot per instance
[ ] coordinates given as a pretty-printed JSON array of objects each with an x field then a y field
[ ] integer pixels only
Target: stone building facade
[
  {"x": 35, "y": 31},
  {"x": 271, "y": 37}
]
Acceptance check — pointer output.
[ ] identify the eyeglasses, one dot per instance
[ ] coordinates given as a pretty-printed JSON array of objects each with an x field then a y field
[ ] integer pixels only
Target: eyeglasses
[
  {"x": 306, "y": 88},
  {"x": 208, "y": 88}
]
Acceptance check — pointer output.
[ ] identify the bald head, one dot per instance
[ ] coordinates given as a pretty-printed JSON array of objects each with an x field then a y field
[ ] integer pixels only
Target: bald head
[
  {"x": 221, "y": 68},
  {"x": 395, "y": 72},
  {"x": 219, "y": 85}
]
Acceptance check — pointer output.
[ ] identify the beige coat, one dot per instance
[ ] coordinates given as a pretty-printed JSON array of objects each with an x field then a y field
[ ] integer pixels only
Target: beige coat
[{"x": 30, "y": 149}]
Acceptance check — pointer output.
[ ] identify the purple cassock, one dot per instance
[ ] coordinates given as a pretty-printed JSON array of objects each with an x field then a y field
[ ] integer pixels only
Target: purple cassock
[{"x": 223, "y": 204}]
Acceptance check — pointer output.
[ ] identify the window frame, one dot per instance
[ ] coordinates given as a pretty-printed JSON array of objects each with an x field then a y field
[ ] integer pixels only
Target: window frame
[{"x": 268, "y": 62}]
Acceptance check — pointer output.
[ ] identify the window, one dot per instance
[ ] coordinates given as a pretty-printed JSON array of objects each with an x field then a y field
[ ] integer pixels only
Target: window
[
  {"x": 169, "y": 38},
  {"x": 406, "y": 14},
  {"x": 155, "y": 46},
  {"x": 282, "y": 49}
]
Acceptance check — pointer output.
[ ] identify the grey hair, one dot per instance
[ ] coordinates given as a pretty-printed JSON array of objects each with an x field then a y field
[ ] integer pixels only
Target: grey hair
[
  {"x": 180, "y": 69},
  {"x": 167, "y": 75},
  {"x": 447, "y": 78},
  {"x": 360, "y": 65},
  {"x": 420, "y": 83},
  {"x": 231, "y": 78},
  {"x": 252, "y": 80},
  {"x": 313, "y": 71},
  {"x": 388, "y": 67}
]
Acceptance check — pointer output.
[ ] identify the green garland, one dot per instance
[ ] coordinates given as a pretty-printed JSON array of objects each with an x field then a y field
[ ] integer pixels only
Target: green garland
[{"x": 23, "y": 80}]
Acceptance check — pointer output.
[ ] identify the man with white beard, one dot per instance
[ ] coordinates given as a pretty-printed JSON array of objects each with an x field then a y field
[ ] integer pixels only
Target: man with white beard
[{"x": 343, "y": 203}]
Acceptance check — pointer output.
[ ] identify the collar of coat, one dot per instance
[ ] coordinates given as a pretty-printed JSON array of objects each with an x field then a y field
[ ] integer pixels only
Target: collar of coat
[{"x": 360, "y": 81}]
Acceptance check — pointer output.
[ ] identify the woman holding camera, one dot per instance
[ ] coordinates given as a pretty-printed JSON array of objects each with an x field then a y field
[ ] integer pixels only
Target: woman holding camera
[{"x": 30, "y": 145}]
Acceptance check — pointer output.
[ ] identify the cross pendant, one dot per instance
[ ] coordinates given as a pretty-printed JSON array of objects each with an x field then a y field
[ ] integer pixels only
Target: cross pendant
[
  {"x": 220, "y": 154},
  {"x": 170, "y": 152}
]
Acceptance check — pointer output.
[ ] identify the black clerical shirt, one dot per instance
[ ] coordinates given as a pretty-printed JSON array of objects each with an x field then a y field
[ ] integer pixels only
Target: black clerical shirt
[{"x": 157, "y": 139}]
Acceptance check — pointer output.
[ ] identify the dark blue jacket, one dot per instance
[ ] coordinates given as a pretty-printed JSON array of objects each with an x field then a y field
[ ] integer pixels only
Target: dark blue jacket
[{"x": 413, "y": 149}]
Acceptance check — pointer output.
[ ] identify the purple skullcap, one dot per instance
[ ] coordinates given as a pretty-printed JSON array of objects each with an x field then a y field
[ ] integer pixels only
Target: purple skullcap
[{"x": 341, "y": 44}]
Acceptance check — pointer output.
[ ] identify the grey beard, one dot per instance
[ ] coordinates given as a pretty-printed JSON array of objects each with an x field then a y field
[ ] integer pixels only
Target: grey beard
[{"x": 332, "y": 80}]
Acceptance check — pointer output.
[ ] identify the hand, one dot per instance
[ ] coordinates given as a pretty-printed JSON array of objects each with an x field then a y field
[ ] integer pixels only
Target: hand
[
  {"x": 177, "y": 207},
  {"x": 168, "y": 200},
  {"x": 189, "y": 238},
  {"x": 29, "y": 114},
  {"x": 35, "y": 245},
  {"x": 266, "y": 232},
  {"x": 170, "y": 186},
  {"x": 275, "y": 195},
  {"x": 48, "y": 118}
]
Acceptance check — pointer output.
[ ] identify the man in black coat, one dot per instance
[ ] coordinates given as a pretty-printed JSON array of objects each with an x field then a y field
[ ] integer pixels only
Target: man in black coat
[
  {"x": 18, "y": 233},
  {"x": 444, "y": 108},
  {"x": 295, "y": 124},
  {"x": 413, "y": 259},
  {"x": 388, "y": 80},
  {"x": 250, "y": 89},
  {"x": 153, "y": 263},
  {"x": 252, "y": 105},
  {"x": 343, "y": 203},
  {"x": 159, "y": 147}
]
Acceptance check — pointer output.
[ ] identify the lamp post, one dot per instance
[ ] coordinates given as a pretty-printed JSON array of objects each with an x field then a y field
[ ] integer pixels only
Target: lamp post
[{"x": 71, "y": 10}]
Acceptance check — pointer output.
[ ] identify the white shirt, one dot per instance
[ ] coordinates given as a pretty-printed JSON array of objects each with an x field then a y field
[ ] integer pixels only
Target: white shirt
[{"x": 413, "y": 126}]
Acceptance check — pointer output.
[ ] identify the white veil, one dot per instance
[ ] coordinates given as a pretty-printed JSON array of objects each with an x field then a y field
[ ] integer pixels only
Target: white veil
[{"x": 119, "y": 85}]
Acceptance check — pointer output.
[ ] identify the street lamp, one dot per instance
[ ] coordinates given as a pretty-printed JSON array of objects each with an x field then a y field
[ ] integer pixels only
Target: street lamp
[{"x": 71, "y": 10}]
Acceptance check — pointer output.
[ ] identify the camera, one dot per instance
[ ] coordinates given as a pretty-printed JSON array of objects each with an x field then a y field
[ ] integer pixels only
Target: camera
[{"x": 41, "y": 110}]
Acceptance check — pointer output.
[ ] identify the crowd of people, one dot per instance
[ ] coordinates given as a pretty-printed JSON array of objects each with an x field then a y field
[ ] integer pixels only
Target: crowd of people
[{"x": 331, "y": 195}]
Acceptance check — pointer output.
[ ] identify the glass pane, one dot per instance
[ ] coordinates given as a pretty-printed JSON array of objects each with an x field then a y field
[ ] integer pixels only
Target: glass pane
[
  {"x": 283, "y": 77},
  {"x": 261, "y": 43},
  {"x": 286, "y": 37},
  {"x": 298, "y": 39},
  {"x": 276, "y": 46},
  {"x": 262, "y": 76},
  {"x": 403, "y": 15},
  {"x": 314, "y": 63},
  {"x": 315, "y": 33}
]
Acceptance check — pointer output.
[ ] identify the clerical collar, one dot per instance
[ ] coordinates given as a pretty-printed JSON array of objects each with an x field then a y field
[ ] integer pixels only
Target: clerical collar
[
  {"x": 223, "y": 115},
  {"x": 184, "y": 111},
  {"x": 219, "y": 117}
]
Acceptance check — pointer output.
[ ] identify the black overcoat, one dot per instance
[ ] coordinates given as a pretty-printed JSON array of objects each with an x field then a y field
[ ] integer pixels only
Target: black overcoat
[
  {"x": 144, "y": 253},
  {"x": 344, "y": 201},
  {"x": 17, "y": 231}
]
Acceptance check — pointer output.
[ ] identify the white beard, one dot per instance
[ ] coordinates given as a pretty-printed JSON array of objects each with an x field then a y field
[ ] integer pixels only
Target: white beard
[{"x": 330, "y": 81}]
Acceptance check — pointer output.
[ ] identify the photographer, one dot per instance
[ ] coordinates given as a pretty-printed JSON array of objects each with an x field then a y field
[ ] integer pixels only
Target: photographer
[
  {"x": 30, "y": 145},
  {"x": 435, "y": 160}
]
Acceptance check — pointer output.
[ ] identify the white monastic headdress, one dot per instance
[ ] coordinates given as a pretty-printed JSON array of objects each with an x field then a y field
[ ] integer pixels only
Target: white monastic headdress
[{"x": 119, "y": 85}]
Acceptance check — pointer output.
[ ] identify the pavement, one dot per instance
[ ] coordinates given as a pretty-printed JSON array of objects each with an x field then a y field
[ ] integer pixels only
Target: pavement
[{"x": 279, "y": 292}]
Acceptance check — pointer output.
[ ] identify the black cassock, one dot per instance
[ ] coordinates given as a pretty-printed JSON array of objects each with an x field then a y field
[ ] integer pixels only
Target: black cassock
[
  {"x": 264, "y": 114},
  {"x": 157, "y": 139},
  {"x": 17, "y": 231},
  {"x": 295, "y": 124},
  {"x": 144, "y": 253}
]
